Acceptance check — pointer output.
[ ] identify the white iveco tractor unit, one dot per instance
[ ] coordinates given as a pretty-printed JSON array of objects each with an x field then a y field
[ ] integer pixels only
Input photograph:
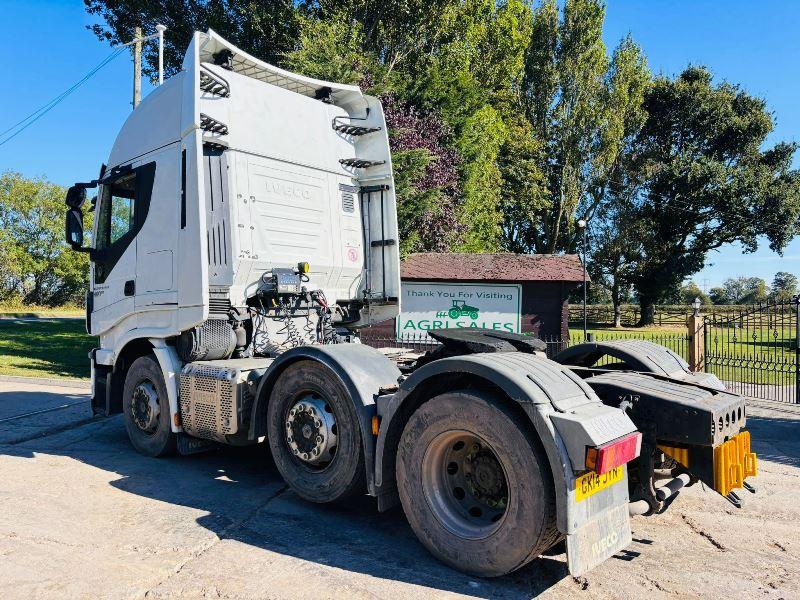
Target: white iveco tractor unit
[{"x": 245, "y": 228}]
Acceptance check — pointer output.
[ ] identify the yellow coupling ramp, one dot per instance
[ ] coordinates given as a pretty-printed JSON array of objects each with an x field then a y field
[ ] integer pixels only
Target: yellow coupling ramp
[{"x": 733, "y": 462}]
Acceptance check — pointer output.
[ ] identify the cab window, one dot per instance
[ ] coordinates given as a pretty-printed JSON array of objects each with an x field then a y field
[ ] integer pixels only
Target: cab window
[{"x": 117, "y": 210}]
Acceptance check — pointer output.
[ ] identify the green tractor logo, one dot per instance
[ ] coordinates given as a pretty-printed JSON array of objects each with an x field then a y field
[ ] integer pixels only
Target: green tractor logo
[{"x": 462, "y": 309}]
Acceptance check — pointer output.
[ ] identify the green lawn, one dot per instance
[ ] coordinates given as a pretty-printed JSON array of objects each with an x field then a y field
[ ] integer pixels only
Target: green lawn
[
  {"x": 45, "y": 348},
  {"x": 20, "y": 311}
]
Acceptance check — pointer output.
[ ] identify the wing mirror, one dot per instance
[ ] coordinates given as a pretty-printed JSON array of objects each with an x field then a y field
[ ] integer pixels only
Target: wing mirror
[
  {"x": 76, "y": 196},
  {"x": 73, "y": 221},
  {"x": 74, "y": 229}
]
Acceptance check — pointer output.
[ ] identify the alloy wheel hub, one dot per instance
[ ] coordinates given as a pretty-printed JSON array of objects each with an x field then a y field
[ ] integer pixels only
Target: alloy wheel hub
[
  {"x": 311, "y": 431},
  {"x": 145, "y": 409}
]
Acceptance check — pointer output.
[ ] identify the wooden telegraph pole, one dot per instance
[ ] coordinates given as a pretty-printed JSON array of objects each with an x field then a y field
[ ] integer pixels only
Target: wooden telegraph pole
[{"x": 137, "y": 67}]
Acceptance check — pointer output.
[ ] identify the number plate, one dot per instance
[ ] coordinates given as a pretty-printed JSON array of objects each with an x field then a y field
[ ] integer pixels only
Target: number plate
[{"x": 591, "y": 483}]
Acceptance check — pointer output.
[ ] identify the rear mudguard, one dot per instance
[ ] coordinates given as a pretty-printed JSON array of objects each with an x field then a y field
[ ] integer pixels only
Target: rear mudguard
[
  {"x": 637, "y": 355},
  {"x": 363, "y": 371},
  {"x": 566, "y": 415}
]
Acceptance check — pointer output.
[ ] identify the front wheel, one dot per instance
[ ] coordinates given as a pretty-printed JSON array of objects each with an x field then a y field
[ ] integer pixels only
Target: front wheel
[
  {"x": 146, "y": 408},
  {"x": 474, "y": 486},
  {"x": 454, "y": 313}
]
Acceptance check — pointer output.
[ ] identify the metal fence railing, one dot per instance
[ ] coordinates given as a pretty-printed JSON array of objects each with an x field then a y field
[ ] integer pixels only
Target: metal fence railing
[
  {"x": 755, "y": 350},
  {"x": 420, "y": 342},
  {"x": 678, "y": 342},
  {"x": 663, "y": 314}
]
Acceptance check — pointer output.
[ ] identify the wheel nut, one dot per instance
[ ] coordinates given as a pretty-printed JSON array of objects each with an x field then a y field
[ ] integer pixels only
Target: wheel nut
[
  {"x": 317, "y": 423},
  {"x": 319, "y": 439},
  {"x": 296, "y": 451},
  {"x": 305, "y": 456}
]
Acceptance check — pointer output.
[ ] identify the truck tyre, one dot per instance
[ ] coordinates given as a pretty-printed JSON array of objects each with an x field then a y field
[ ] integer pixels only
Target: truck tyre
[
  {"x": 313, "y": 431},
  {"x": 474, "y": 484},
  {"x": 146, "y": 408}
]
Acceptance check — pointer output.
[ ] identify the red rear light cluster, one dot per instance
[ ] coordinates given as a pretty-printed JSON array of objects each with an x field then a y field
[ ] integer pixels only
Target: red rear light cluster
[{"x": 601, "y": 459}]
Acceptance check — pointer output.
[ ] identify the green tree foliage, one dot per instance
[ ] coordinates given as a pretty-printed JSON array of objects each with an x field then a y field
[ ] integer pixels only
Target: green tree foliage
[
  {"x": 480, "y": 141},
  {"x": 740, "y": 290},
  {"x": 615, "y": 251},
  {"x": 332, "y": 50},
  {"x": 264, "y": 29},
  {"x": 690, "y": 291},
  {"x": 784, "y": 287},
  {"x": 718, "y": 295},
  {"x": 585, "y": 108},
  {"x": 704, "y": 181},
  {"x": 36, "y": 265}
]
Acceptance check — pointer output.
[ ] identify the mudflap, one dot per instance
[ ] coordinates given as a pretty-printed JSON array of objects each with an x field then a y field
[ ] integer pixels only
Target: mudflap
[
  {"x": 601, "y": 525},
  {"x": 598, "y": 539}
]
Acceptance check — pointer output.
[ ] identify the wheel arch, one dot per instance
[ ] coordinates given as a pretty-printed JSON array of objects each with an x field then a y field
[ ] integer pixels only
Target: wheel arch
[
  {"x": 109, "y": 380},
  {"x": 362, "y": 370},
  {"x": 564, "y": 412},
  {"x": 413, "y": 395}
]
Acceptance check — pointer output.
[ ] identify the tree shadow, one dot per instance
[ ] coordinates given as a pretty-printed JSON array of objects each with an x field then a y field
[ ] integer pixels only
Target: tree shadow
[
  {"x": 246, "y": 500},
  {"x": 776, "y": 439}
]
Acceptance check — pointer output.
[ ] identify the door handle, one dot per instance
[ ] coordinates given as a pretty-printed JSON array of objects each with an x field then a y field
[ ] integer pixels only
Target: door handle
[{"x": 130, "y": 287}]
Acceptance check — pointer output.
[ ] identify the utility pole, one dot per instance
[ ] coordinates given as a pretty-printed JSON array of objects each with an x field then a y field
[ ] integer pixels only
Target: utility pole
[{"x": 137, "y": 67}]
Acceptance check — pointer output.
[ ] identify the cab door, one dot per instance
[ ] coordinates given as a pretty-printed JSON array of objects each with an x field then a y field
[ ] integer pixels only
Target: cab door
[{"x": 123, "y": 204}]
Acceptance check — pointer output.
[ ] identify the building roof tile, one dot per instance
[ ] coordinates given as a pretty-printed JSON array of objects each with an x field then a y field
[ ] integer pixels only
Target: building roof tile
[{"x": 451, "y": 266}]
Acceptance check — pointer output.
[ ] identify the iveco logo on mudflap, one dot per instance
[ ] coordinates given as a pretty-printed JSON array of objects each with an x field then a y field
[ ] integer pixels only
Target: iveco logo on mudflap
[
  {"x": 601, "y": 546},
  {"x": 287, "y": 189}
]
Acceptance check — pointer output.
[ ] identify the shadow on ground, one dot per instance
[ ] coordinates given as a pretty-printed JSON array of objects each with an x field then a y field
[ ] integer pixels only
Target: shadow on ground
[
  {"x": 776, "y": 439},
  {"x": 246, "y": 500}
]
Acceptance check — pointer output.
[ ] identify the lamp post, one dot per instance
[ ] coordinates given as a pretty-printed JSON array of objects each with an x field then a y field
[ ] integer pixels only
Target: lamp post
[
  {"x": 696, "y": 307},
  {"x": 582, "y": 226}
]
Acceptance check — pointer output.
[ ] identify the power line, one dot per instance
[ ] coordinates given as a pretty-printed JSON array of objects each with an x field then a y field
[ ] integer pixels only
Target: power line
[{"x": 22, "y": 125}]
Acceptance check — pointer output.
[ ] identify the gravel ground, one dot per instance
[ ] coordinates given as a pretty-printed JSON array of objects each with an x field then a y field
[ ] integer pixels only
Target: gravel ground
[{"x": 83, "y": 516}]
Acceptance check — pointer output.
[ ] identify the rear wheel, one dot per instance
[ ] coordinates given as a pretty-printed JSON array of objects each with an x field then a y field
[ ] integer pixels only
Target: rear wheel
[
  {"x": 314, "y": 434},
  {"x": 146, "y": 408},
  {"x": 474, "y": 486}
]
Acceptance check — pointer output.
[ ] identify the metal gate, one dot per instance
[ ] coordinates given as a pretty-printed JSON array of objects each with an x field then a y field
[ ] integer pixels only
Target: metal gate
[{"x": 754, "y": 351}]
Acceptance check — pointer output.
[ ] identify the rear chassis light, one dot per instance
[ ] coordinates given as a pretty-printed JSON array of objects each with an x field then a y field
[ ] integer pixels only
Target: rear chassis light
[{"x": 602, "y": 459}]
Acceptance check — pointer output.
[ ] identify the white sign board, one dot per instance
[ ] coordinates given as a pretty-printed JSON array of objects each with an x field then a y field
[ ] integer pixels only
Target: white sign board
[{"x": 427, "y": 306}]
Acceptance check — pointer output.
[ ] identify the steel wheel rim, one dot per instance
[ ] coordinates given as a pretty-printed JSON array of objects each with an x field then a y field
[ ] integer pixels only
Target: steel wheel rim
[
  {"x": 465, "y": 484},
  {"x": 145, "y": 407},
  {"x": 310, "y": 431}
]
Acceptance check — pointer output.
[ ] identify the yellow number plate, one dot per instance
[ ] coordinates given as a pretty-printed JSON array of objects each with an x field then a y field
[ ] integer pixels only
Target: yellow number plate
[{"x": 591, "y": 483}]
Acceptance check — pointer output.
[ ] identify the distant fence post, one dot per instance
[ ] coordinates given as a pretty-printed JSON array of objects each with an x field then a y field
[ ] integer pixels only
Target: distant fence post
[{"x": 697, "y": 343}]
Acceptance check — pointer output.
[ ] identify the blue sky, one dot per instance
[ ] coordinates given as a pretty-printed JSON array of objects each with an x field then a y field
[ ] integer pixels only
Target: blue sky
[{"x": 45, "y": 47}]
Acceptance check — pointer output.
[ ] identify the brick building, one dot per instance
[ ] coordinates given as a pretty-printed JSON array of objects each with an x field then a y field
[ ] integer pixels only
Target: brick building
[{"x": 545, "y": 282}]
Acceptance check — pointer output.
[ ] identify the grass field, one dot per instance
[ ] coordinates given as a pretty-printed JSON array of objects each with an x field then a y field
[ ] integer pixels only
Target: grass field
[
  {"x": 20, "y": 311},
  {"x": 45, "y": 348}
]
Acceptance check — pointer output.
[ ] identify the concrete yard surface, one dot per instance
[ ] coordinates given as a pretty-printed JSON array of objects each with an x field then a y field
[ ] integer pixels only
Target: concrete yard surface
[{"x": 82, "y": 515}]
